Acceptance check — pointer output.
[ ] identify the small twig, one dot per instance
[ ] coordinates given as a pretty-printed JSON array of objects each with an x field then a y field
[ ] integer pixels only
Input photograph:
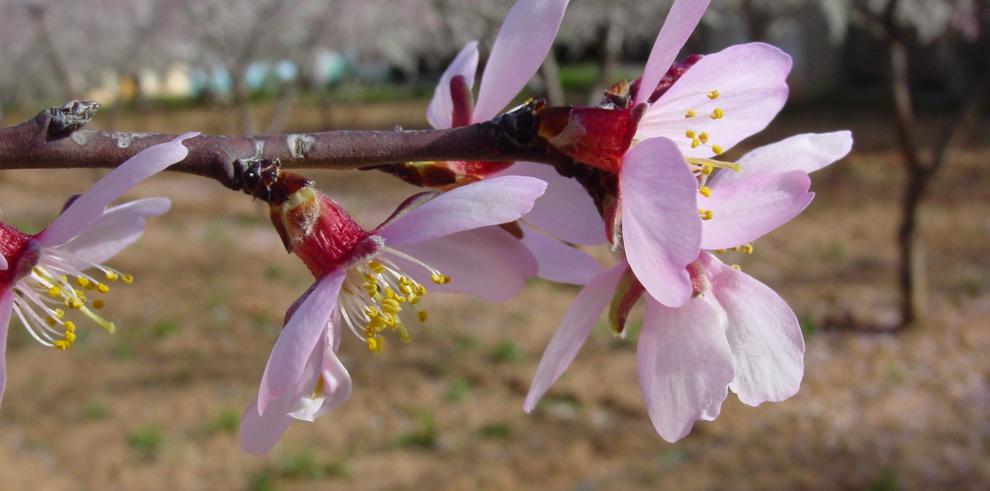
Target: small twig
[{"x": 47, "y": 142}]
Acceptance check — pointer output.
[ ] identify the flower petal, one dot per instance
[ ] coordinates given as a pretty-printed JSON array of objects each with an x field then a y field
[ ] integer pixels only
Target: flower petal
[
  {"x": 558, "y": 261},
  {"x": 3, "y": 263},
  {"x": 681, "y": 21},
  {"x": 6, "y": 306},
  {"x": 260, "y": 432},
  {"x": 489, "y": 202},
  {"x": 764, "y": 335},
  {"x": 89, "y": 207},
  {"x": 745, "y": 210},
  {"x": 298, "y": 338},
  {"x": 572, "y": 332},
  {"x": 808, "y": 152},
  {"x": 520, "y": 47},
  {"x": 335, "y": 389},
  {"x": 118, "y": 227},
  {"x": 661, "y": 228},
  {"x": 565, "y": 210},
  {"x": 441, "y": 109},
  {"x": 751, "y": 80},
  {"x": 684, "y": 364},
  {"x": 488, "y": 263}
]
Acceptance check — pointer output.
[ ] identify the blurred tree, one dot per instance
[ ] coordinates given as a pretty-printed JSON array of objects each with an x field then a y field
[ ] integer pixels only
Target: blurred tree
[{"x": 959, "y": 31}]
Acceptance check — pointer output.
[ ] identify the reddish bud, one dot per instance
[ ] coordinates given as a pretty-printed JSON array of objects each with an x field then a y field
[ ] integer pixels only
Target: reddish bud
[
  {"x": 626, "y": 295},
  {"x": 595, "y": 136},
  {"x": 19, "y": 250},
  {"x": 460, "y": 95},
  {"x": 673, "y": 74}
]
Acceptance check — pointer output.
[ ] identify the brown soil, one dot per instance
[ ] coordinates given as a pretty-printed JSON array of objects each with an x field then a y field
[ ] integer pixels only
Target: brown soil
[{"x": 156, "y": 406}]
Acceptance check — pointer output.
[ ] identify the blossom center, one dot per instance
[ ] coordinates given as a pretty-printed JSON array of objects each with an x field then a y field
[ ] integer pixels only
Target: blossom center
[{"x": 376, "y": 293}]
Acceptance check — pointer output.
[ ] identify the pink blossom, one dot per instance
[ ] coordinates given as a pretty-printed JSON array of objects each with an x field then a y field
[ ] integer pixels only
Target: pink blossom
[
  {"x": 734, "y": 332},
  {"x": 367, "y": 280},
  {"x": 566, "y": 212},
  {"x": 42, "y": 273}
]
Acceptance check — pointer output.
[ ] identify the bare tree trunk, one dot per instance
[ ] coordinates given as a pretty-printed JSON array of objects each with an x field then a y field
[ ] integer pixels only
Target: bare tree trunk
[
  {"x": 242, "y": 100},
  {"x": 609, "y": 61},
  {"x": 551, "y": 79}
]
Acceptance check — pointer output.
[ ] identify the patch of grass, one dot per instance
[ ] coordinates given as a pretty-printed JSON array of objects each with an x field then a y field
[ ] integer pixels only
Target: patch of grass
[
  {"x": 836, "y": 252},
  {"x": 261, "y": 481},
  {"x": 887, "y": 481},
  {"x": 164, "y": 328},
  {"x": 425, "y": 434},
  {"x": 147, "y": 441},
  {"x": 305, "y": 464},
  {"x": 465, "y": 342},
  {"x": 457, "y": 389},
  {"x": 273, "y": 272},
  {"x": 226, "y": 421},
  {"x": 495, "y": 431},
  {"x": 94, "y": 411},
  {"x": 504, "y": 351},
  {"x": 809, "y": 324}
]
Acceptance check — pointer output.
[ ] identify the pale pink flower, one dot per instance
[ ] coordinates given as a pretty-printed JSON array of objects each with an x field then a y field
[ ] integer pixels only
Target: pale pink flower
[
  {"x": 48, "y": 279},
  {"x": 735, "y": 332},
  {"x": 366, "y": 279},
  {"x": 566, "y": 212}
]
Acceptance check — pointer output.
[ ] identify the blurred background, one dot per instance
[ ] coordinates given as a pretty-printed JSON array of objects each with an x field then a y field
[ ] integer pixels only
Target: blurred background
[{"x": 887, "y": 270}]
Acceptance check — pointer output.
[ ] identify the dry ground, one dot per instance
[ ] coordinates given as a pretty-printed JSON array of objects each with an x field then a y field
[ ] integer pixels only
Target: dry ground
[{"x": 157, "y": 405}]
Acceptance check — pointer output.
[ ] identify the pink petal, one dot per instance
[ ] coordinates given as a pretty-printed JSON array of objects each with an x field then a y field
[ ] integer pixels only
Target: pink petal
[
  {"x": 488, "y": 263},
  {"x": 566, "y": 210},
  {"x": 89, "y": 207},
  {"x": 558, "y": 261},
  {"x": 745, "y": 210},
  {"x": 808, "y": 152},
  {"x": 522, "y": 43},
  {"x": 118, "y": 227},
  {"x": 752, "y": 83},
  {"x": 684, "y": 364},
  {"x": 764, "y": 335},
  {"x": 298, "y": 338},
  {"x": 661, "y": 228},
  {"x": 6, "y": 306},
  {"x": 681, "y": 21},
  {"x": 439, "y": 112},
  {"x": 573, "y": 331},
  {"x": 489, "y": 202},
  {"x": 336, "y": 388},
  {"x": 260, "y": 432}
]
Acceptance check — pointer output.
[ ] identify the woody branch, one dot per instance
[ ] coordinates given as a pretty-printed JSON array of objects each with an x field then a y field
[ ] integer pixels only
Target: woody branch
[{"x": 54, "y": 140}]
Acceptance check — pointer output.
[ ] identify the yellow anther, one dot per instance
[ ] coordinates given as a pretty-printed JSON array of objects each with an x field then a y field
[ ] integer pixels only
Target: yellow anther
[
  {"x": 83, "y": 282},
  {"x": 404, "y": 334},
  {"x": 62, "y": 345},
  {"x": 59, "y": 313},
  {"x": 705, "y": 191},
  {"x": 372, "y": 344},
  {"x": 690, "y": 113},
  {"x": 102, "y": 287},
  {"x": 79, "y": 293},
  {"x": 391, "y": 306},
  {"x": 706, "y": 214},
  {"x": 721, "y": 251},
  {"x": 128, "y": 279},
  {"x": 440, "y": 278},
  {"x": 718, "y": 149},
  {"x": 714, "y": 95},
  {"x": 55, "y": 291},
  {"x": 736, "y": 267},
  {"x": 420, "y": 290},
  {"x": 690, "y": 134},
  {"x": 695, "y": 143},
  {"x": 69, "y": 326},
  {"x": 423, "y": 315},
  {"x": 50, "y": 321},
  {"x": 707, "y": 168},
  {"x": 718, "y": 113},
  {"x": 112, "y": 276},
  {"x": 703, "y": 137},
  {"x": 97, "y": 304},
  {"x": 746, "y": 248},
  {"x": 413, "y": 299},
  {"x": 74, "y": 303},
  {"x": 376, "y": 266},
  {"x": 70, "y": 336}
]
